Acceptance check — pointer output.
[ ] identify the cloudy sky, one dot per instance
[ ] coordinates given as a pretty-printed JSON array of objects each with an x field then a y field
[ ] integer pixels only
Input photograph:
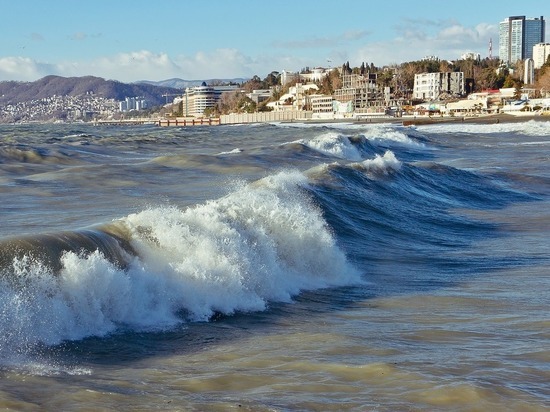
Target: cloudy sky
[{"x": 131, "y": 40}]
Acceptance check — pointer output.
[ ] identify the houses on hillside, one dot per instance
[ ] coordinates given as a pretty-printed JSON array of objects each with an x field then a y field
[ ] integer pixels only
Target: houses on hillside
[{"x": 360, "y": 95}]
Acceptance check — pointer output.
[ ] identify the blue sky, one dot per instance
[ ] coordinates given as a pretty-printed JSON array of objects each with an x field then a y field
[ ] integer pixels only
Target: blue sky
[{"x": 131, "y": 40}]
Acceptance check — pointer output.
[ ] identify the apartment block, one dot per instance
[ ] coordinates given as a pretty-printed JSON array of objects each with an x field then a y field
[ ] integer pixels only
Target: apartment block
[{"x": 434, "y": 86}]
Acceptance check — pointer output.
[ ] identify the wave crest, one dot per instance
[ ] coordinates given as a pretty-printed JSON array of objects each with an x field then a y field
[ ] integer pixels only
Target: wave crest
[{"x": 264, "y": 242}]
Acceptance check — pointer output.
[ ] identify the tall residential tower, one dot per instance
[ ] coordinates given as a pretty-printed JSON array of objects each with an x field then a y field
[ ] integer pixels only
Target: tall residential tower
[{"x": 517, "y": 36}]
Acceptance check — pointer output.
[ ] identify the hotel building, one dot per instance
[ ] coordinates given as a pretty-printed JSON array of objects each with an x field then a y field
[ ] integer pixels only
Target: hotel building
[{"x": 197, "y": 99}]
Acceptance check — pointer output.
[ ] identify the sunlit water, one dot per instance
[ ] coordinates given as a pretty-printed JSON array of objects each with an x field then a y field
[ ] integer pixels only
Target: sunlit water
[{"x": 280, "y": 267}]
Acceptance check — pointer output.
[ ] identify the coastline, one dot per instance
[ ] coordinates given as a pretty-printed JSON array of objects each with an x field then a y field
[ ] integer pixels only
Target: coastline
[
  {"x": 425, "y": 120},
  {"x": 482, "y": 119}
]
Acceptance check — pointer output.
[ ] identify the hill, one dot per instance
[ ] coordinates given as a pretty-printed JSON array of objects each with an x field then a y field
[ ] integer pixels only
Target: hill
[{"x": 12, "y": 92}]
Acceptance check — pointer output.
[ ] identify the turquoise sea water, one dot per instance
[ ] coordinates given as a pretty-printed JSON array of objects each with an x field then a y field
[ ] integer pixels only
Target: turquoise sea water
[{"x": 276, "y": 267}]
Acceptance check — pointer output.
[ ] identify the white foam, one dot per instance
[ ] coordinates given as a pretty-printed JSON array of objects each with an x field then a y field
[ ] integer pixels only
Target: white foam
[
  {"x": 527, "y": 128},
  {"x": 234, "y": 151},
  {"x": 264, "y": 242},
  {"x": 333, "y": 144},
  {"x": 391, "y": 133},
  {"x": 380, "y": 164}
]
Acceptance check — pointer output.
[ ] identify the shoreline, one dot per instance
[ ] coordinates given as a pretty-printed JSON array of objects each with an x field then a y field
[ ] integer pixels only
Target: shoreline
[
  {"x": 482, "y": 119},
  {"x": 424, "y": 120}
]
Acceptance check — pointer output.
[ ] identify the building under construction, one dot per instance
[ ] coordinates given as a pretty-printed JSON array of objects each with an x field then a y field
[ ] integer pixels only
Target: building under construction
[{"x": 365, "y": 95}]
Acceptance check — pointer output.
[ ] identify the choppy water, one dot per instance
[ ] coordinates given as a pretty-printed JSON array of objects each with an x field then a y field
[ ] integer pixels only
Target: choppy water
[{"x": 279, "y": 267}]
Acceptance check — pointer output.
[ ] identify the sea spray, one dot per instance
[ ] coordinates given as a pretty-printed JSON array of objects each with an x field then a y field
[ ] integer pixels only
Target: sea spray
[
  {"x": 333, "y": 144},
  {"x": 263, "y": 242},
  {"x": 380, "y": 164}
]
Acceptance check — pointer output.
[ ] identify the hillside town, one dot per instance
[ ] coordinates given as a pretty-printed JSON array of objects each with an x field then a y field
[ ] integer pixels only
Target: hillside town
[
  {"x": 60, "y": 109},
  {"x": 444, "y": 89}
]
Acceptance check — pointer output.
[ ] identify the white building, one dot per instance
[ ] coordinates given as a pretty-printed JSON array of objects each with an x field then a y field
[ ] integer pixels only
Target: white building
[
  {"x": 431, "y": 86},
  {"x": 541, "y": 51},
  {"x": 197, "y": 99},
  {"x": 315, "y": 75},
  {"x": 529, "y": 72},
  {"x": 297, "y": 98},
  {"x": 471, "y": 56},
  {"x": 322, "y": 106},
  {"x": 132, "y": 103},
  {"x": 289, "y": 77}
]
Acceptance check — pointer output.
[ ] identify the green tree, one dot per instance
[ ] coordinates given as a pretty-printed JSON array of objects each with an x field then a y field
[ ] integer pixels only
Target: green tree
[
  {"x": 272, "y": 79},
  {"x": 384, "y": 78},
  {"x": 330, "y": 82}
]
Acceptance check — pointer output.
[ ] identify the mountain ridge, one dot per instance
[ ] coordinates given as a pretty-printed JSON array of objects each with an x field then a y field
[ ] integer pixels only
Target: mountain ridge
[{"x": 155, "y": 93}]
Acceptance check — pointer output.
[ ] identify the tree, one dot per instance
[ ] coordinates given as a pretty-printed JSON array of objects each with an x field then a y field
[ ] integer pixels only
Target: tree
[
  {"x": 272, "y": 79},
  {"x": 517, "y": 91},
  {"x": 543, "y": 83},
  {"x": 444, "y": 66},
  {"x": 346, "y": 69},
  {"x": 253, "y": 84},
  {"x": 488, "y": 78},
  {"x": 228, "y": 102},
  {"x": 384, "y": 78},
  {"x": 331, "y": 82},
  {"x": 510, "y": 81}
]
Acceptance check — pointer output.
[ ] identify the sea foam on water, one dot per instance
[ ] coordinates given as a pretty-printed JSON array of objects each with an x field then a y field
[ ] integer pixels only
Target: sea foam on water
[{"x": 263, "y": 242}]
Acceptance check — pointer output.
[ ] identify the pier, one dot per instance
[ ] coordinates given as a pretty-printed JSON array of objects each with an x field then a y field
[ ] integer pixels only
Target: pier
[{"x": 182, "y": 121}]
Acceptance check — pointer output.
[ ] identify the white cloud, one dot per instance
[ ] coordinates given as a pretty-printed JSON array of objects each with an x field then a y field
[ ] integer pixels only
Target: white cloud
[
  {"x": 450, "y": 41},
  {"x": 445, "y": 39},
  {"x": 23, "y": 69},
  {"x": 138, "y": 65}
]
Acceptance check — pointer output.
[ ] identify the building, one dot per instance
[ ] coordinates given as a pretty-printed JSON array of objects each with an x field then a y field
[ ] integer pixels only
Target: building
[
  {"x": 541, "y": 52},
  {"x": 361, "y": 90},
  {"x": 289, "y": 77},
  {"x": 297, "y": 98},
  {"x": 434, "y": 86},
  {"x": 199, "y": 98},
  {"x": 517, "y": 37},
  {"x": 529, "y": 71},
  {"x": 315, "y": 75},
  {"x": 132, "y": 103},
  {"x": 259, "y": 96},
  {"x": 471, "y": 56},
  {"x": 322, "y": 106}
]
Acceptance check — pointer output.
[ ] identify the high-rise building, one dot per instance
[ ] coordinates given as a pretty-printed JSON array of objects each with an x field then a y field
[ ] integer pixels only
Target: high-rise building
[{"x": 517, "y": 36}]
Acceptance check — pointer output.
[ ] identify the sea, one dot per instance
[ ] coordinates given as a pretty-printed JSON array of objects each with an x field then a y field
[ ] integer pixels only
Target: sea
[{"x": 275, "y": 267}]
